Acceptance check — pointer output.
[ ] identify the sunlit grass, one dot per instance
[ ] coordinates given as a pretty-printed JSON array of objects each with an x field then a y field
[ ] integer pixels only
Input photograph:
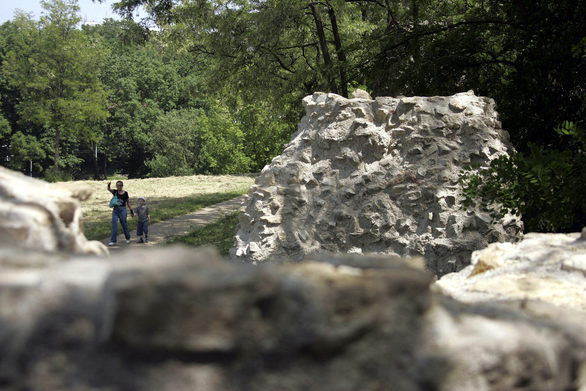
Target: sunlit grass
[{"x": 219, "y": 234}]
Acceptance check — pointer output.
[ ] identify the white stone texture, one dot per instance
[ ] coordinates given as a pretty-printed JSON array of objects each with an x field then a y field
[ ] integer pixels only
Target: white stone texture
[
  {"x": 377, "y": 176},
  {"x": 360, "y": 94},
  {"x": 550, "y": 268},
  {"x": 37, "y": 215}
]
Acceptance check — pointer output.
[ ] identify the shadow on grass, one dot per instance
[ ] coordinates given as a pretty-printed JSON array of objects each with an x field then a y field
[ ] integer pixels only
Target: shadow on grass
[
  {"x": 160, "y": 209},
  {"x": 219, "y": 234}
]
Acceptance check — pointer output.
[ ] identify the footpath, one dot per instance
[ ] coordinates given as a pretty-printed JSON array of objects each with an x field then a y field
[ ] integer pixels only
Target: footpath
[{"x": 160, "y": 232}]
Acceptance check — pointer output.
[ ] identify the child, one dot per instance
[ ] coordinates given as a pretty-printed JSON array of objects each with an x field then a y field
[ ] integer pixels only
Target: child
[{"x": 142, "y": 212}]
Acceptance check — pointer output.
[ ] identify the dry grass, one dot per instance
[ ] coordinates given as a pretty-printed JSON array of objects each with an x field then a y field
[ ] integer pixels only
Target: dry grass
[{"x": 166, "y": 197}]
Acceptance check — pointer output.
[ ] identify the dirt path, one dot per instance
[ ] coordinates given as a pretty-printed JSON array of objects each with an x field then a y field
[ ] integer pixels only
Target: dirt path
[{"x": 178, "y": 226}]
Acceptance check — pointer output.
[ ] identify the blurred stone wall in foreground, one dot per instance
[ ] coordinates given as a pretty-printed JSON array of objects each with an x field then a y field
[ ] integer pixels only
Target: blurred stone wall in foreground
[{"x": 183, "y": 319}]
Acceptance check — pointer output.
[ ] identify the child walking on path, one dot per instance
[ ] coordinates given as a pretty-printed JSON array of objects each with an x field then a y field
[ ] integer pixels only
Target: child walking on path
[{"x": 142, "y": 212}]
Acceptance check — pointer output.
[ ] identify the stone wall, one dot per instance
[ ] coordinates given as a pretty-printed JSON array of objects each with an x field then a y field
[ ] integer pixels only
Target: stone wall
[
  {"x": 184, "y": 319},
  {"x": 377, "y": 176}
]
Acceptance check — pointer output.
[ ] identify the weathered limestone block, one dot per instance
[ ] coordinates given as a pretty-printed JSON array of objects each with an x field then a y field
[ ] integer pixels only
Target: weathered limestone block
[
  {"x": 185, "y": 320},
  {"x": 37, "y": 215},
  {"x": 544, "y": 276},
  {"x": 547, "y": 267},
  {"x": 378, "y": 176},
  {"x": 360, "y": 94},
  {"x": 512, "y": 346}
]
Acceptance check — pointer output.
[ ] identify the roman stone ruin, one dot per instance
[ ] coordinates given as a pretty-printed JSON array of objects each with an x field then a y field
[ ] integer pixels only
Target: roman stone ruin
[
  {"x": 37, "y": 215},
  {"x": 378, "y": 176}
]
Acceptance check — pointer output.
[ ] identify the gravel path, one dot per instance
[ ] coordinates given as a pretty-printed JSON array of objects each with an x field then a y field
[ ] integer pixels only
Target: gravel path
[{"x": 178, "y": 226}]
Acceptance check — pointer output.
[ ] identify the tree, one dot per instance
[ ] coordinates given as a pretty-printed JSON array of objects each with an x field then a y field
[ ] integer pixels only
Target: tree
[
  {"x": 9, "y": 96},
  {"x": 25, "y": 149},
  {"x": 144, "y": 82},
  {"x": 194, "y": 141},
  {"x": 262, "y": 57},
  {"x": 544, "y": 185},
  {"x": 270, "y": 46},
  {"x": 55, "y": 67},
  {"x": 517, "y": 52},
  {"x": 264, "y": 134},
  {"x": 5, "y": 133}
]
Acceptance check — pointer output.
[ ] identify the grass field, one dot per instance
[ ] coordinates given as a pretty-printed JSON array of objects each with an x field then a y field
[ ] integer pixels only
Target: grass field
[{"x": 166, "y": 197}]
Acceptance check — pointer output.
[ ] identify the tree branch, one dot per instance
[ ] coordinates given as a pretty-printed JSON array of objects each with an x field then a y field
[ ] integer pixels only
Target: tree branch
[{"x": 445, "y": 28}]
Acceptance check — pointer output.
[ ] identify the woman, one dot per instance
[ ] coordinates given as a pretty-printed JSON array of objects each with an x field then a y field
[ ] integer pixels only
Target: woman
[{"x": 119, "y": 212}]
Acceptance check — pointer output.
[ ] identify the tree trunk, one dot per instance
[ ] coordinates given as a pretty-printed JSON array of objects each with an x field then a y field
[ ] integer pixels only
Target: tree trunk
[
  {"x": 57, "y": 142},
  {"x": 390, "y": 19},
  {"x": 414, "y": 46},
  {"x": 339, "y": 51},
  {"x": 415, "y": 11},
  {"x": 96, "y": 169},
  {"x": 324, "y": 49}
]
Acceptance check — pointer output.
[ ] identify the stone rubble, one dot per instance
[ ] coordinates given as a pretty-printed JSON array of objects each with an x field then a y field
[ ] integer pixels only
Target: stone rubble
[{"x": 377, "y": 176}]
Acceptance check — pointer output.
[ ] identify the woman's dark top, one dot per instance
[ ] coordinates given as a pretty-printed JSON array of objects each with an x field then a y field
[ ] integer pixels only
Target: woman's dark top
[{"x": 122, "y": 198}]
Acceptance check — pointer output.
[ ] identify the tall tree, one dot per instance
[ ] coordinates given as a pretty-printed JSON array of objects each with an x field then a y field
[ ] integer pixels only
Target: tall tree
[
  {"x": 56, "y": 67},
  {"x": 517, "y": 52},
  {"x": 5, "y": 130},
  {"x": 274, "y": 46}
]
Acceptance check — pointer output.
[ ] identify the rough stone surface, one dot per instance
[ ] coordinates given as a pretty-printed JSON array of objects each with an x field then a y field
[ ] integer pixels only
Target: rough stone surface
[
  {"x": 360, "y": 94},
  {"x": 37, "y": 215},
  {"x": 181, "y": 319},
  {"x": 377, "y": 176},
  {"x": 550, "y": 268}
]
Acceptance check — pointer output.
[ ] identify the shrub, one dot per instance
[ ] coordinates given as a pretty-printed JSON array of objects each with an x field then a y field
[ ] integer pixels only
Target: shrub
[{"x": 545, "y": 184}]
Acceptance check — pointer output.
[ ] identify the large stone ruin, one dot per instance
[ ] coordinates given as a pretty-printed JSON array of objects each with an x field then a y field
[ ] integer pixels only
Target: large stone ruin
[{"x": 378, "y": 176}]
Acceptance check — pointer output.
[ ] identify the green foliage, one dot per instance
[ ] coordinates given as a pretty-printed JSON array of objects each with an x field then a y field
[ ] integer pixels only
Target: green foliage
[
  {"x": 23, "y": 149},
  {"x": 194, "y": 141},
  {"x": 176, "y": 144},
  {"x": 52, "y": 175},
  {"x": 544, "y": 185},
  {"x": 54, "y": 67},
  {"x": 222, "y": 144},
  {"x": 265, "y": 133},
  {"x": 520, "y": 53},
  {"x": 5, "y": 129},
  {"x": 146, "y": 82},
  {"x": 219, "y": 234}
]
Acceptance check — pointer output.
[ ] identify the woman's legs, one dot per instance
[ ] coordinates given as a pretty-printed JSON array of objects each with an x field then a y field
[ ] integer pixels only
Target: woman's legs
[
  {"x": 114, "y": 225},
  {"x": 124, "y": 223}
]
